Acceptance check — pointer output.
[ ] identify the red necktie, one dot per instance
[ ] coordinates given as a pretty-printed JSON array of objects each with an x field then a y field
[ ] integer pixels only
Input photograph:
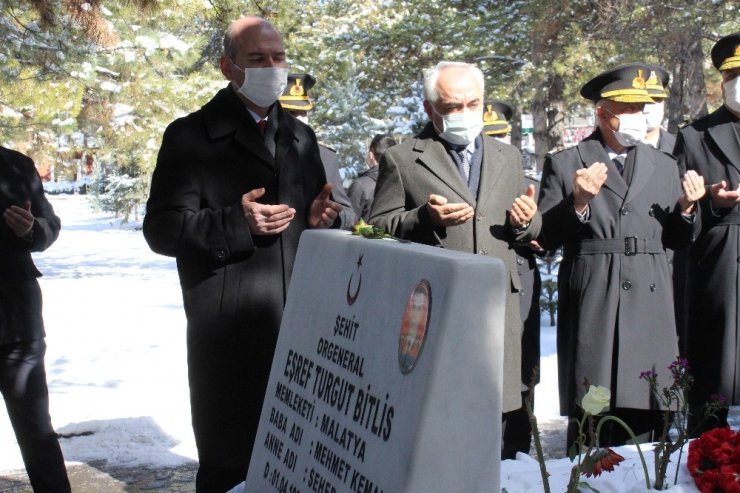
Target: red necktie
[{"x": 262, "y": 124}]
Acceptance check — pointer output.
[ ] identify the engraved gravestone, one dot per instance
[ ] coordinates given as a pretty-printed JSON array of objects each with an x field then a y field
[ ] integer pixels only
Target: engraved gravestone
[{"x": 387, "y": 375}]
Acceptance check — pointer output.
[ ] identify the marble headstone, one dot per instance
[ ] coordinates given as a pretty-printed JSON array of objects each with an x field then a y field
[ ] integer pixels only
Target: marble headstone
[{"x": 387, "y": 375}]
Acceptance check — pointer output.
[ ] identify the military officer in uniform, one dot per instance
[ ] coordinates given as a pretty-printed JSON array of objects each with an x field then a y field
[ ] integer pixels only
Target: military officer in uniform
[
  {"x": 615, "y": 204},
  {"x": 657, "y": 88},
  {"x": 517, "y": 430},
  {"x": 496, "y": 117},
  {"x": 295, "y": 101},
  {"x": 710, "y": 146}
]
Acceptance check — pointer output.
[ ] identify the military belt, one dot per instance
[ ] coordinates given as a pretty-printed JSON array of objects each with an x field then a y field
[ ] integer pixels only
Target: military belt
[
  {"x": 631, "y": 245},
  {"x": 731, "y": 218}
]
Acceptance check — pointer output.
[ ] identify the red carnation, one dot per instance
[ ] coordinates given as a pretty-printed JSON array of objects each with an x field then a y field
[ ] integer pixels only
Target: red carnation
[{"x": 714, "y": 461}]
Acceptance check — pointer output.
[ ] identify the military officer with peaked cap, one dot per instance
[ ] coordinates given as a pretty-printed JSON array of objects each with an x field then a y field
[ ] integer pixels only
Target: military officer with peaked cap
[
  {"x": 657, "y": 88},
  {"x": 517, "y": 430},
  {"x": 295, "y": 101},
  {"x": 496, "y": 117},
  {"x": 615, "y": 204},
  {"x": 711, "y": 146}
]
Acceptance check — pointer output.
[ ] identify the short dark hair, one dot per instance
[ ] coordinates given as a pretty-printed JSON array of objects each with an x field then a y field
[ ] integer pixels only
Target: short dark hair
[{"x": 381, "y": 143}]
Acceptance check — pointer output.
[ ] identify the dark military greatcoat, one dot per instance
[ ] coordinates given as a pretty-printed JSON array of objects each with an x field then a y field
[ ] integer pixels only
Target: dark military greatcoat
[
  {"x": 615, "y": 296},
  {"x": 712, "y": 148}
]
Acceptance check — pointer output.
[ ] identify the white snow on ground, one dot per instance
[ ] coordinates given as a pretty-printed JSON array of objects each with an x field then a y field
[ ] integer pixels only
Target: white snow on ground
[{"x": 116, "y": 361}]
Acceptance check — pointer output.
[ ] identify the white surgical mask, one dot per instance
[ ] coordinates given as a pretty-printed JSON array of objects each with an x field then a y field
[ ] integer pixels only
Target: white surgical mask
[
  {"x": 654, "y": 114},
  {"x": 264, "y": 85},
  {"x": 732, "y": 93},
  {"x": 461, "y": 128},
  {"x": 632, "y": 128}
]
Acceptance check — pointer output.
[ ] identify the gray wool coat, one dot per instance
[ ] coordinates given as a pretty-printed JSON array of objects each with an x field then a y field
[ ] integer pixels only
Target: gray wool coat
[
  {"x": 615, "y": 308},
  {"x": 411, "y": 171}
]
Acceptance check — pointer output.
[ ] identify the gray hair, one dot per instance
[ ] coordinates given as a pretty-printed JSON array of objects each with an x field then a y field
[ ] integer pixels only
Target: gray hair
[
  {"x": 229, "y": 45},
  {"x": 432, "y": 76}
]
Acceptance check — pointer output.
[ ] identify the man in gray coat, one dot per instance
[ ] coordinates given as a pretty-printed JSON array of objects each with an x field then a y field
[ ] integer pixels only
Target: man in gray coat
[
  {"x": 711, "y": 146},
  {"x": 236, "y": 184},
  {"x": 615, "y": 204},
  {"x": 453, "y": 187}
]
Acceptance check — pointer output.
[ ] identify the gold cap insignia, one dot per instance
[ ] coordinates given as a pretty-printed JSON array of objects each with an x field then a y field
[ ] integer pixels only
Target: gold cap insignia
[
  {"x": 653, "y": 79},
  {"x": 638, "y": 82},
  {"x": 297, "y": 89}
]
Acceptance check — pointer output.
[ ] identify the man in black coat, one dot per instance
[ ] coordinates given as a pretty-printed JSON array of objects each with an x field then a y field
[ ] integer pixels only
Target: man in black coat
[
  {"x": 711, "y": 147},
  {"x": 29, "y": 225},
  {"x": 236, "y": 183},
  {"x": 362, "y": 190},
  {"x": 615, "y": 204}
]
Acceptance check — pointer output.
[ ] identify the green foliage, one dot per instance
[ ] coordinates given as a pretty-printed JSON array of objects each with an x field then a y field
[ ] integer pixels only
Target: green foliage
[{"x": 81, "y": 77}]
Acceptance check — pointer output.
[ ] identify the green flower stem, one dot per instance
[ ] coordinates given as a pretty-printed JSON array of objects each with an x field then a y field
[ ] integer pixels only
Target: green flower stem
[
  {"x": 537, "y": 443},
  {"x": 634, "y": 439}
]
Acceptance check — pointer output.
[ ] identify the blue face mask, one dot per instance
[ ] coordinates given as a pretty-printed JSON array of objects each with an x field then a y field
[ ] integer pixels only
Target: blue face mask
[
  {"x": 263, "y": 86},
  {"x": 461, "y": 128}
]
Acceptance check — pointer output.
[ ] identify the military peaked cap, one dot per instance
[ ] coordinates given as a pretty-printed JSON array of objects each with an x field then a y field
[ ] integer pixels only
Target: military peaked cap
[
  {"x": 625, "y": 84},
  {"x": 295, "y": 95},
  {"x": 726, "y": 52}
]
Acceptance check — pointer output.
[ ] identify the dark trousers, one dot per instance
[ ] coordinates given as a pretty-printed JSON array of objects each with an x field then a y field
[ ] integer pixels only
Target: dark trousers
[
  {"x": 23, "y": 386},
  {"x": 647, "y": 425},
  {"x": 215, "y": 479},
  {"x": 698, "y": 423},
  {"x": 516, "y": 431}
]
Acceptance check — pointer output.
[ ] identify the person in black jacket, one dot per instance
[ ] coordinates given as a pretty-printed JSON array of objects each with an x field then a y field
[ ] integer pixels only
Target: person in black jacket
[
  {"x": 29, "y": 225},
  {"x": 236, "y": 183},
  {"x": 362, "y": 190}
]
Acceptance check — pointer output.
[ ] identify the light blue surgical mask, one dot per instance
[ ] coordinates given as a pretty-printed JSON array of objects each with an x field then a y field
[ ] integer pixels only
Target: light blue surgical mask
[
  {"x": 461, "y": 128},
  {"x": 632, "y": 128},
  {"x": 264, "y": 85}
]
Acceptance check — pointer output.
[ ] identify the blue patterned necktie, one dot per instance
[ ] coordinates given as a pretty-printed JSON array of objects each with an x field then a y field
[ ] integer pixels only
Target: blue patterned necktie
[{"x": 465, "y": 161}]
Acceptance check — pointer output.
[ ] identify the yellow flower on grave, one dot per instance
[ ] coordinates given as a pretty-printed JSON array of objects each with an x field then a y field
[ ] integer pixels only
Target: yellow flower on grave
[
  {"x": 596, "y": 399},
  {"x": 361, "y": 228}
]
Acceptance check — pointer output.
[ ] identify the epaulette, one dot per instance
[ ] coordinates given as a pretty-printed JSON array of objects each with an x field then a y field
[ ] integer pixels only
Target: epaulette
[
  {"x": 556, "y": 150},
  {"x": 532, "y": 173},
  {"x": 330, "y": 148}
]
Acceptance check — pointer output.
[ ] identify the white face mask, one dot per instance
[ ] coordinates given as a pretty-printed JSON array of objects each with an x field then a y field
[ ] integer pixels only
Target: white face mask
[
  {"x": 461, "y": 128},
  {"x": 263, "y": 86},
  {"x": 732, "y": 93},
  {"x": 654, "y": 114},
  {"x": 632, "y": 128}
]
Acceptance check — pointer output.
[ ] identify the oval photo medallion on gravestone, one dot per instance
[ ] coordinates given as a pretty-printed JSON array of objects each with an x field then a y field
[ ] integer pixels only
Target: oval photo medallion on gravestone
[{"x": 414, "y": 326}]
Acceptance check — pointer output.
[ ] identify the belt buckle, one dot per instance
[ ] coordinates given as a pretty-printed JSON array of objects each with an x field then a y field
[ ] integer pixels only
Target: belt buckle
[{"x": 630, "y": 246}]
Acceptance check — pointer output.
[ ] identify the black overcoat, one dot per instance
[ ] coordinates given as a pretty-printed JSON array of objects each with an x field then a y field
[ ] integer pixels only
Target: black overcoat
[
  {"x": 234, "y": 284},
  {"x": 615, "y": 310},
  {"x": 711, "y": 146},
  {"x": 20, "y": 295}
]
